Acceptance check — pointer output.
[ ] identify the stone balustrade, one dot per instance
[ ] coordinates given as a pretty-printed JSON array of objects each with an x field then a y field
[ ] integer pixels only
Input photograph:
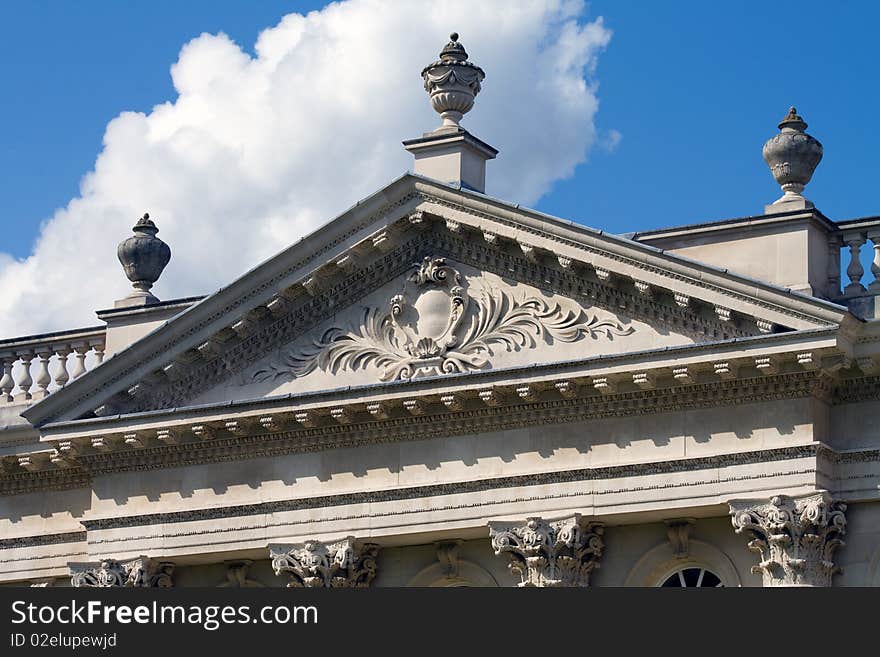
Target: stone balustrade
[
  {"x": 852, "y": 236},
  {"x": 35, "y": 366}
]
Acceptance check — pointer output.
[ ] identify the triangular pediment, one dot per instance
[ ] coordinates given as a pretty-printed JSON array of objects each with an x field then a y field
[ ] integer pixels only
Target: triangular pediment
[{"x": 424, "y": 280}]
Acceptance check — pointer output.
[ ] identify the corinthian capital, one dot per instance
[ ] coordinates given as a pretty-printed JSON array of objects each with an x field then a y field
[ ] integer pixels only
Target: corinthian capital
[
  {"x": 142, "y": 572},
  {"x": 550, "y": 553},
  {"x": 333, "y": 565},
  {"x": 796, "y": 538}
]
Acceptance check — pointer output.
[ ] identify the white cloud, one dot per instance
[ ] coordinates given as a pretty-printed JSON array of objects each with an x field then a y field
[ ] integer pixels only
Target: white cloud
[
  {"x": 610, "y": 140},
  {"x": 257, "y": 151}
]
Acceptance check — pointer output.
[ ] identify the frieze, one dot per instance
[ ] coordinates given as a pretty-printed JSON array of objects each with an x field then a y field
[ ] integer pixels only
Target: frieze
[
  {"x": 267, "y": 521},
  {"x": 435, "y": 490}
]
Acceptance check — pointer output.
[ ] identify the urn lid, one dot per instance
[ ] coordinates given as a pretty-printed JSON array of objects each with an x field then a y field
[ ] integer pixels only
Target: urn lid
[
  {"x": 793, "y": 121},
  {"x": 453, "y": 51},
  {"x": 454, "y": 54},
  {"x": 145, "y": 225}
]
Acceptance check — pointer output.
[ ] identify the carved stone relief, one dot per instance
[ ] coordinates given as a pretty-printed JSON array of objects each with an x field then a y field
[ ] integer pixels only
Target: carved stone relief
[
  {"x": 437, "y": 326},
  {"x": 317, "y": 565},
  {"x": 796, "y": 538},
  {"x": 550, "y": 553},
  {"x": 237, "y": 575},
  {"x": 142, "y": 572},
  {"x": 679, "y": 532}
]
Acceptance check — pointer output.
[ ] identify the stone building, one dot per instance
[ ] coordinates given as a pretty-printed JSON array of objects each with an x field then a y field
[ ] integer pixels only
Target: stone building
[{"x": 439, "y": 388}]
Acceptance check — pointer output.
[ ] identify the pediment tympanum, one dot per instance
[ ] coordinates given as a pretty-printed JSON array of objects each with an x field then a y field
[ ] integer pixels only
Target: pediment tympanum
[
  {"x": 441, "y": 324},
  {"x": 442, "y": 317}
]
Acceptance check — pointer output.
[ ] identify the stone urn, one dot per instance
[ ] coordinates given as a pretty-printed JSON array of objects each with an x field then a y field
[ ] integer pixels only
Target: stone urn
[
  {"x": 792, "y": 156},
  {"x": 453, "y": 83},
  {"x": 143, "y": 256}
]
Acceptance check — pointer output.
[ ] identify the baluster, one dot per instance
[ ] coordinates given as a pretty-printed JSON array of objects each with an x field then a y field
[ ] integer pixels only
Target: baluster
[
  {"x": 99, "y": 352},
  {"x": 79, "y": 367},
  {"x": 7, "y": 383},
  {"x": 874, "y": 287},
  {"x": 61, "y": 374},
  {"x": 855, "y": 271},
  {"x": 43, "y": 379},
  {"x": 24, "y": 378}
]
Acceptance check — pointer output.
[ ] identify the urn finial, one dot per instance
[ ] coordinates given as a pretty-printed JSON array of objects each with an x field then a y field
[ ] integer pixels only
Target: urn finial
[
  {"x": 143, "y": 257},
  {"x": 450, "y": 153},
  {"x": 452, "y": 82},
  {"x": 792, "y": 156}
]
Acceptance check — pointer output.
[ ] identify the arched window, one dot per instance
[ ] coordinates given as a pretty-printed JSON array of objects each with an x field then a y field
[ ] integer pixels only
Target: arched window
[
  {"x": 704, "y": 566},
  {"x": 692, "y": 577}
]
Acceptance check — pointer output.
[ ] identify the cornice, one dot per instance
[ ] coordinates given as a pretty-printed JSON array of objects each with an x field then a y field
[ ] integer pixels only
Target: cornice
[
  {"x": 75, "y": 460},
  {"x": 665, "y": 265},
  {"x": 741, "y": 354}
]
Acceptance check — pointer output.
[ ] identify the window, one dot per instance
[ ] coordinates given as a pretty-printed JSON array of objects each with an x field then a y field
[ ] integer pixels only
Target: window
[{"x": 693, "y": 577}]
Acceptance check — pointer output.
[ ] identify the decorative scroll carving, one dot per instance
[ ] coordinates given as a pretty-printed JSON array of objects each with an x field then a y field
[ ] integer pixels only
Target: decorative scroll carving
[
  {"x": 796, "y": 538},
  {"x": 142, "y": 572},
  {"x": 428, "y": 330},
  {"x": 337, "y": 565},
  {"x": 550, "y": 553}
]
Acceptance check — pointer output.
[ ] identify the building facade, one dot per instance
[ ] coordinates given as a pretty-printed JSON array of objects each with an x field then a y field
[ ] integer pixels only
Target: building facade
[{"x": 439, "y": 388}]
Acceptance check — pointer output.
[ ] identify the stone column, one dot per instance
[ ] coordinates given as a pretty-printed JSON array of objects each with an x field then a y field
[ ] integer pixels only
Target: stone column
[
  {"x": 142, "y": 572},
  {"x": 549, "y": 553},
  {"x": 796, "y": 538},
  {"x": 333, "y": 565}
]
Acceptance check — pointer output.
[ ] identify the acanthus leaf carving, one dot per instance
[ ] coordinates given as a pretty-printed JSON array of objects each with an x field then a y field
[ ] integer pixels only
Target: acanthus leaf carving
[
  {"x": 142, "y": 572},
  {"x": 428, "y": 330},
  {"x": 796, "y": 538},
  {"x": 550, "y": 553},
  {"x": 314, "y": 564}
]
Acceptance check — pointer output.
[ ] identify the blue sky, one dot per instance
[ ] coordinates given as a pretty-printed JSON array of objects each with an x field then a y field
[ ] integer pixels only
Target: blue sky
[{"x": 693, "y": 87}]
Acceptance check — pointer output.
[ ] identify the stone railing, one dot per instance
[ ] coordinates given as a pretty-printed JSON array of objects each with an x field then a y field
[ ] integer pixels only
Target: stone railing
[
  {"x": 35, "y": 366},
  {"x": 852, "y": 236}
]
